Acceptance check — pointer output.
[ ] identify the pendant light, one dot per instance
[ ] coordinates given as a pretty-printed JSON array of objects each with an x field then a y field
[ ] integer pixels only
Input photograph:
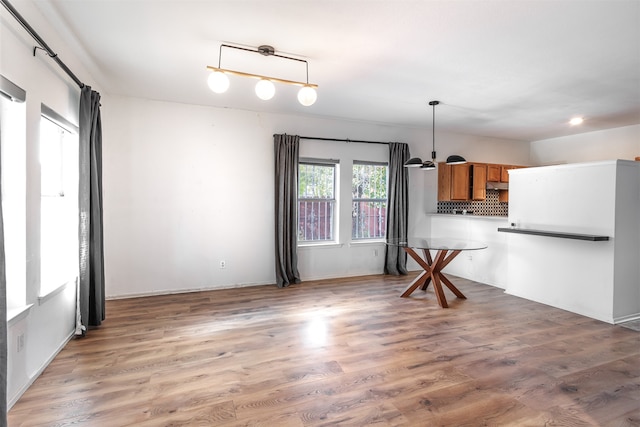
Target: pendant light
[{"x": 416, "y": 162}]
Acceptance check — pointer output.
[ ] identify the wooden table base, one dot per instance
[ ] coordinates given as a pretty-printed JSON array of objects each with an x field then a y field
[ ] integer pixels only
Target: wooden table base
[{"x": 433, "y": 273}]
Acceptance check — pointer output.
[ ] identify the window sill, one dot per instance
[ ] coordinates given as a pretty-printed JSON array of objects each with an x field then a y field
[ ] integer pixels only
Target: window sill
[
  {"x": 323, "y": 245},
  {"x": 368, "y": 242},
  {"x": 53, "y": 292},
  {"x": 16, "y": 314}
]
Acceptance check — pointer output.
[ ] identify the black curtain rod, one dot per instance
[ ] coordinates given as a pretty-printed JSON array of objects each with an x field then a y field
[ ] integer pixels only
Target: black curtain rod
[
  {"x": 41, "y": 42},
  {"x": 344, "y": 140}
]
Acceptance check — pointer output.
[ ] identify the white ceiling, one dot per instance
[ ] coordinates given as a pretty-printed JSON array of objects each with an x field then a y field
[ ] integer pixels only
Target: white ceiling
[{"x": 507, "y": 69}]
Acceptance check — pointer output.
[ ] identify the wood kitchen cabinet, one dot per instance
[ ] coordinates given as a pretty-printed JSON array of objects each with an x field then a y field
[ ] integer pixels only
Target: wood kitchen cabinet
[
  {"x": 494, "y": 173},
  {"x": 453, "y": 182},
  {"x": 462, "y": 182},
  {"x": 479, "y": 181},
  {"x": 504, "y": 174},
  {"x": 444, "y": 182},
  {"x": 469, "y": 181}
]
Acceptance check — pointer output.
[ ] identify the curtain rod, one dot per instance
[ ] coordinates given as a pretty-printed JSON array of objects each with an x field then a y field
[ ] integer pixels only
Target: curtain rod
[
  {"x": 41, "y": 42},
  {"x": 343, "y": 140}
]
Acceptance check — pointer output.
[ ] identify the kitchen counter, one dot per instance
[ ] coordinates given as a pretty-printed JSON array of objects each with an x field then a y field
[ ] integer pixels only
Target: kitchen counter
[
  {"x": 469, "y": 216},
  {"x": 486, "y": 266}
]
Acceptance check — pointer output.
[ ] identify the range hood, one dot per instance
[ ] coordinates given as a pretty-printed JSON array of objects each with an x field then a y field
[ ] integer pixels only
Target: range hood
[{"x": 497, "y": 185}]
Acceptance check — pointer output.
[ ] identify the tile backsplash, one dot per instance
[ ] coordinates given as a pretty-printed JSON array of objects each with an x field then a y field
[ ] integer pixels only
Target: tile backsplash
[{"x": 489, "y": 207}]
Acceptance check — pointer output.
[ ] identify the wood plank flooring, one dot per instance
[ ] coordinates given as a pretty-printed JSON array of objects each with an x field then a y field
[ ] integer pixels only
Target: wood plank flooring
[{"x": 345, "y": 352}]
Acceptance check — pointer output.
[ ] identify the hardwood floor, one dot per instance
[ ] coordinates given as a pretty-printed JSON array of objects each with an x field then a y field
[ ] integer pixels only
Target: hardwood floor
[{"x": 340, "y": 352}]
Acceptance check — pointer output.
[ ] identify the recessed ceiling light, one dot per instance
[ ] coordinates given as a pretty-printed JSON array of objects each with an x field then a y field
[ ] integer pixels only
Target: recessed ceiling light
[{"x": 576, "y": 121}]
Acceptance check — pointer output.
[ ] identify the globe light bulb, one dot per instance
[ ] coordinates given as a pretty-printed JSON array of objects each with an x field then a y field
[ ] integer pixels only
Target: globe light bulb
[
  {"x": 265, "y": 89},
  {"x": 307, "y": 96},
  {"x": 218, "y": 82}
]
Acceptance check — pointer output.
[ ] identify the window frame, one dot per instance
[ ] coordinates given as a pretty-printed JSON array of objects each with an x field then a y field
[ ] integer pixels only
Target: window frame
[
  {"x": 334, "y": 201},
  {"x": 51, "y": 278},
  {"x": 355, "y": 200}
]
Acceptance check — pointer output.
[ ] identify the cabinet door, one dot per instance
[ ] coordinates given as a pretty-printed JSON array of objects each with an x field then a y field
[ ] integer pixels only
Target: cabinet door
[
  {"x": 504, "y": 175},
  {"x": 460, "y": 183},
  {"x": 479, "y": 187},
  {"x": 493, "y": 173},
  {"x": 444, "y": 182}
]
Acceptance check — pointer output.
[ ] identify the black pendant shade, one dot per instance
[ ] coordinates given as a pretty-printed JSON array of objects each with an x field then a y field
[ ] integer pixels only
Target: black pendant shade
[{"x": 455, "y": 160}]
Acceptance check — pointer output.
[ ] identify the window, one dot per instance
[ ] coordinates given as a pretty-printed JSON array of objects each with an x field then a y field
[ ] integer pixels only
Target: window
[
  {"x": 13, "y": 157},
  {"x": 316, "y": 200},
  {"x": 58, "y": 204},
  {"x": 369, "y": 192}
]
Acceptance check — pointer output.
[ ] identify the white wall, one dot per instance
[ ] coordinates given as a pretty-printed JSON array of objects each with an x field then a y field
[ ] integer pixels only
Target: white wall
[
  {"x": 598, "y": 279},
  {"x": 49, "y": 323},
  {"x": 610, "y": 144},
  {"x": 188, "y": 186}
]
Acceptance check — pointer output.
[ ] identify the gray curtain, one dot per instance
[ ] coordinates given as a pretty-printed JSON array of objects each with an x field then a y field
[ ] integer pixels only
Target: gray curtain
[
  {"x": 397, "y": 208},
  {"x": 91, "y": 284},
  {"x": 286, "y": 204},
  {"x": 3, "y": 316}
]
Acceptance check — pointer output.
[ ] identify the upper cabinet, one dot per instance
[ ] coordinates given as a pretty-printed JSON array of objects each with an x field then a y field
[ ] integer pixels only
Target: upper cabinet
[
  {"x": 469, "y": 181},
  {"x": 444, "y": 182},
  {"x": 478, "y": 181},
  {"x": 462, "y": 182},
  {"x": 494, "y": 173},
  {"x": 504, "y": 174},
  {"x": 453, "y": 182}
]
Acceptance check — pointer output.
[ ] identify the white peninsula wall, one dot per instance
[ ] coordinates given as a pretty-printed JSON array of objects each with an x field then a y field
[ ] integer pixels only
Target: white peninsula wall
[{"x": 598, "y": 279}]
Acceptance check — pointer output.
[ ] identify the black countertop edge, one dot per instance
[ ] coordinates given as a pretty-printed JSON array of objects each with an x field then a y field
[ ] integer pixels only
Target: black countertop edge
[{"x": 590, "y": 237}]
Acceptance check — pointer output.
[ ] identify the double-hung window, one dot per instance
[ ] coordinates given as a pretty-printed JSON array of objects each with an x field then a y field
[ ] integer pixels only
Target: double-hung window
[
  {"x": 369, "y": 195},
  {"x": 317, "y": 200},
  {"x": 58, "y": 201},
  {"x": 13, "y": 116}
]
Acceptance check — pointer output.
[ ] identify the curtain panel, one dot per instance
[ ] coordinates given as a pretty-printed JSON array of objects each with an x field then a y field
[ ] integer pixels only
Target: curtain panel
[
  {"x": 286, "y": 148},
  {"x": 91, "y": 307},
  {"x": 397, "y": 208},
  {"x": 3, "y": 312}
]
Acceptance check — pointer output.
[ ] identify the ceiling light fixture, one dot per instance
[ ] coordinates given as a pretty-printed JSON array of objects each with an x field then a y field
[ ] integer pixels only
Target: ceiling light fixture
[
  {"x": 576, "y": 121},
  {"x": 218, "y": 80}
]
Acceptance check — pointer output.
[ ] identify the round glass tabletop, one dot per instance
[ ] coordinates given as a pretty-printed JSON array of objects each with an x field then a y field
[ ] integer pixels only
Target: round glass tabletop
[{"x": 437, "y": 243}]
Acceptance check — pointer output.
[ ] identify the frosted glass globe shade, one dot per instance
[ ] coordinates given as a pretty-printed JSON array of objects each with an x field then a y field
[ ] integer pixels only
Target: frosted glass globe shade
[
  {"x": 307, "y": 96},
  {"x": 218, "y": 82},
  {"x": 265, "y": 89}
]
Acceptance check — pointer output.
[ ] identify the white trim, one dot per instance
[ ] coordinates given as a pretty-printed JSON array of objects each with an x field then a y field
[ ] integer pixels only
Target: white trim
[
  {"x": 16, "y": 314},
  {"x": 53, "y": 292},
  {"x": 627, "y": 318},
  {"x": 35, "y": 376},
  {"x": 368, "y": 242},
  {"x": 327, "y": 245},
  {"x": 186, "y": 291}
]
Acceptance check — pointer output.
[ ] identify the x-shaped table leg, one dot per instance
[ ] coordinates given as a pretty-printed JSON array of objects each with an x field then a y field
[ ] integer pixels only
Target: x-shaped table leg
[{"x": 433, "y": 273}]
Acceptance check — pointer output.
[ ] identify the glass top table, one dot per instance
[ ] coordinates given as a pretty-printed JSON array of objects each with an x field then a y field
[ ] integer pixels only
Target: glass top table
[{"x": 447, "y": 249}]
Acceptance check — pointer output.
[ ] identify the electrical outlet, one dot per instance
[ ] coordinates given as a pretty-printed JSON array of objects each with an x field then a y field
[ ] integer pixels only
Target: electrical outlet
[
  {"x": 375, "y": 252},
  {"x": 470, "y": 257},
  {"x": 20, "y": 343},
  {"x": 223, "y": 264}
]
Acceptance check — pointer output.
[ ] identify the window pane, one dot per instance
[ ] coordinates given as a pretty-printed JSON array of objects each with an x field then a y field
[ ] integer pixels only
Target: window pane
[
  {"x": 58, "y": 206},
  {"x": 316, "y": 181},
  {"x": 369, "y": 210},
  {"x": 316, "y": 202},
  {"x": 315, "y": 220},
  {"x": 369, "y": 181},
  {"x": 13, "y": 168}
]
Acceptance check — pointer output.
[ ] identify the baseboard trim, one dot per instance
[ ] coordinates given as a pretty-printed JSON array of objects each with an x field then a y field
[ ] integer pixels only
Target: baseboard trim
[{"x": 13, "y": 399}]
